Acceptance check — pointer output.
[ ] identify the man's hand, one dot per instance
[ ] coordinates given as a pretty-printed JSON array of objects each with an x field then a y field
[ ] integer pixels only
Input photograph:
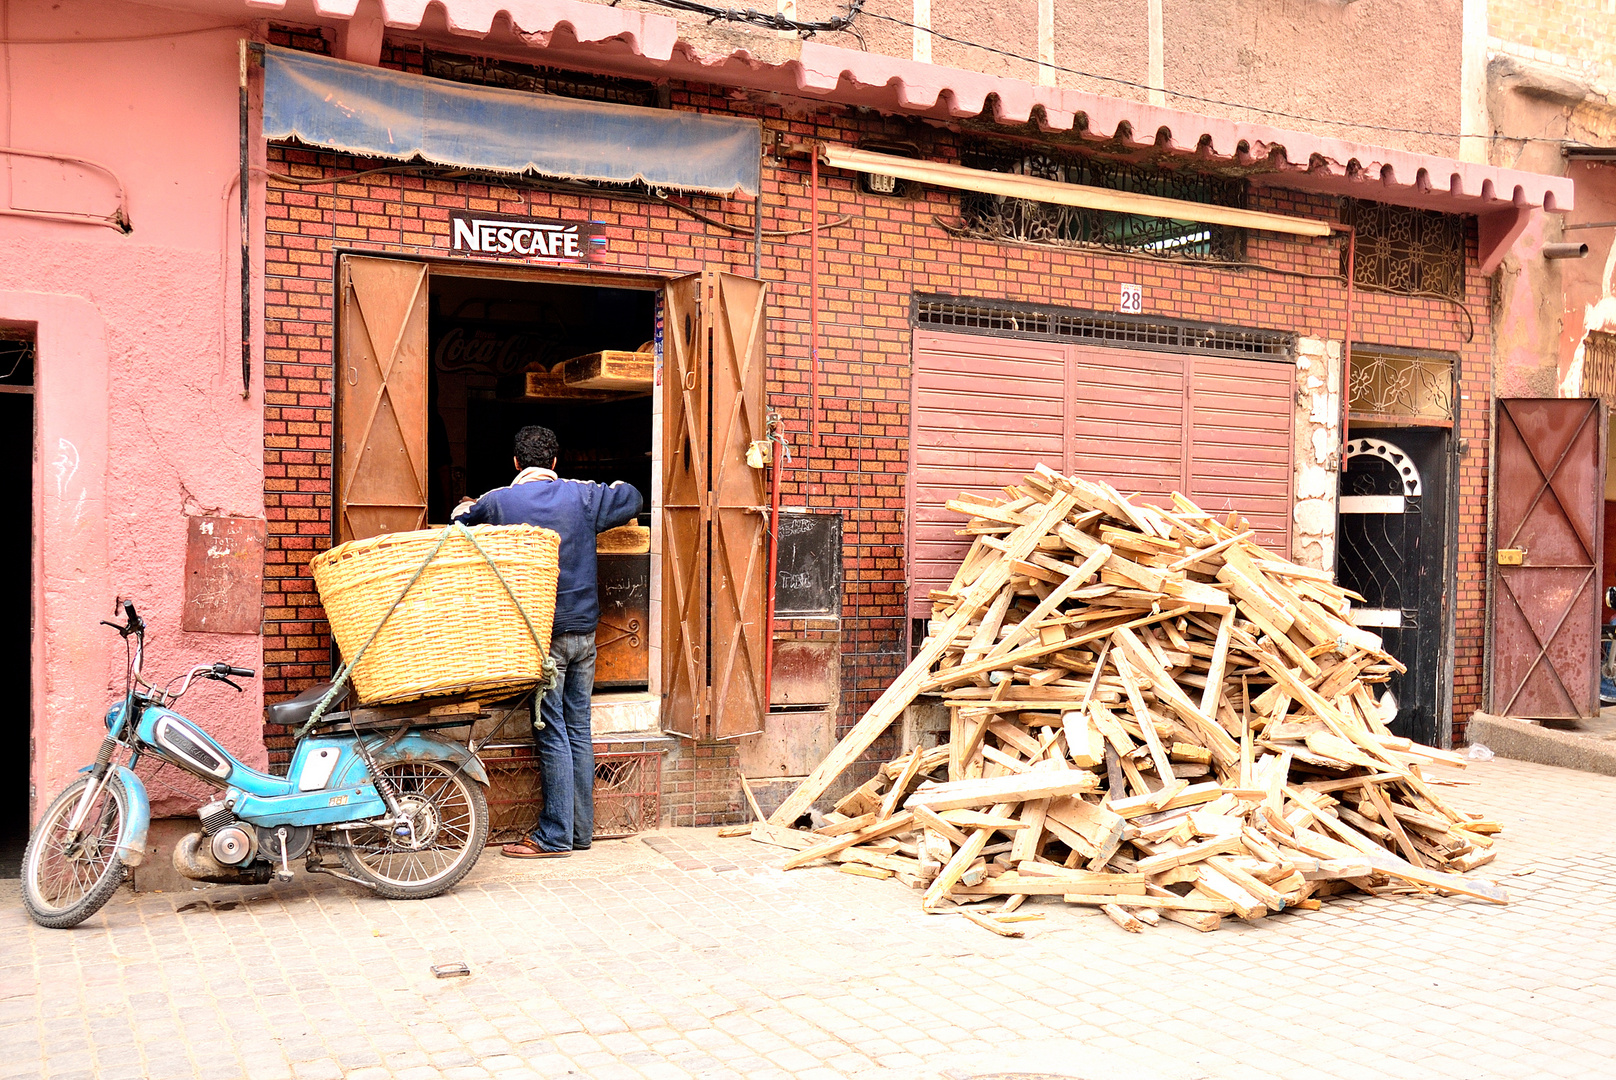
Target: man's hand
[{"x": 464, "y": 505}]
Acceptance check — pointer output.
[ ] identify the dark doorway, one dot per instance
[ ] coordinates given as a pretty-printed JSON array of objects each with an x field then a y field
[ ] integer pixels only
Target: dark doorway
[
  {"x": 16, "y": 591},
  {"x": 497, "y": 352},
  {"x": 1393, "y": 549},
  {"x": 578, "y": 359}
]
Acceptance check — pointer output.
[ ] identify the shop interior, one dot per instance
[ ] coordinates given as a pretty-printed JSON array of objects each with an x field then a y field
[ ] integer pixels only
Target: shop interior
[{"x": 577, "y": 359}]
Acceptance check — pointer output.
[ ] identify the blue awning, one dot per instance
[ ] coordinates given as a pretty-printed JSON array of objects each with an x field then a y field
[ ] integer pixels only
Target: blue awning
[{"x": 376, "y": 112}]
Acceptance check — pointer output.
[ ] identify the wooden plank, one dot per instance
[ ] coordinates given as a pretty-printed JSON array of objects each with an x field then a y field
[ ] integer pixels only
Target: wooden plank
[
  {"x": 1212, "y": 695},
  {"x": 1141, "y": 804},
  {"x": 988, "y": 923},
  {"x": 1051, "y": 603},
  {"x": 1155, "y": 864},
  {"x": 1136, "y": 703},
  {"x": 830, "y": 847},
  {"x": 1019, "y": 787},
  {"x": 1178, "y": 903}
]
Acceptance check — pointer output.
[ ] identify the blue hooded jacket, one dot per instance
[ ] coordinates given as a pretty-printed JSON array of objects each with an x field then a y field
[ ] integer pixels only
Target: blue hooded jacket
[{"x": 577, "y": 509}]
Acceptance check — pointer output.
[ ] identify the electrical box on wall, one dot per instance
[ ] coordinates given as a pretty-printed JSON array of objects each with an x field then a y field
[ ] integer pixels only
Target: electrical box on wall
[{"x": 879, "y": 183}]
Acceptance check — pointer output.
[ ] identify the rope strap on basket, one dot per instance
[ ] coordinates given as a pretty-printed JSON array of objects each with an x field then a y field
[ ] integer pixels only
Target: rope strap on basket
[{"x": 339, "y": 684}]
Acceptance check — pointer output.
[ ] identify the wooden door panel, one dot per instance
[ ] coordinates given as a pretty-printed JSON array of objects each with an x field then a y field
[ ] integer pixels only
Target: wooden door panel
[
  {"x": 1545, "y": 610},
  {"x": 684, "y": 510},
  {"x": 739, "y": 634},
  {"x": 381, "y": 407}
]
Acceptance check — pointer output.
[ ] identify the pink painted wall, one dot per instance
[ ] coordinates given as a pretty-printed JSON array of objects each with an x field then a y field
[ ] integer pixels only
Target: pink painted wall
[{"x": 140, "y": 418}]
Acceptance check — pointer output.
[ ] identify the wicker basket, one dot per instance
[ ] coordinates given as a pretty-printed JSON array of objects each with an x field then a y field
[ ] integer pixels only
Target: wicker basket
[{"x": 456, "y": 630}]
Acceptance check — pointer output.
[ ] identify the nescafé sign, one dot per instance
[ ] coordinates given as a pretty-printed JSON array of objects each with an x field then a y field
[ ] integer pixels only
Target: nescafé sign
[{"x": 524, "y": 237}]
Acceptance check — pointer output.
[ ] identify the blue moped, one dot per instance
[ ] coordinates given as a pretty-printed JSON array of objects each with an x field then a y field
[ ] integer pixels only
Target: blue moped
[{"x": 402, "y": 810}]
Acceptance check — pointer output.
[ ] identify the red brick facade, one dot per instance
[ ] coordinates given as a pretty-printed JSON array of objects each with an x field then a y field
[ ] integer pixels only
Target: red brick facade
[{"x": 871, "y": 267}]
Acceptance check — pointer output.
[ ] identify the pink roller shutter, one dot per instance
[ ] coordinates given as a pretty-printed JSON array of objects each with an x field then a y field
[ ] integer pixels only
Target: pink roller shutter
[
  {"x": 985, "y": 410},
  {"x": 1243, "y": 415}
]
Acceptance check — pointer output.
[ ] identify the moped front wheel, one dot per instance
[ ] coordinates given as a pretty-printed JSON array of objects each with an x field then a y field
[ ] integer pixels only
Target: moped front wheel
[
  {"x": 437, "y": 840},
  {"x": 67, "y": 875}
]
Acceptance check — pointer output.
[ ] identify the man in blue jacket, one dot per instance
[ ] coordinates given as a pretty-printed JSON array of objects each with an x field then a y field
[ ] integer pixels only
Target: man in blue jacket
[{"x": 576, "y": 509}]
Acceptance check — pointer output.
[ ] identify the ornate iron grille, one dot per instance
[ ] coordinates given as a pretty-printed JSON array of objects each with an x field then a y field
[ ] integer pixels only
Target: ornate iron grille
[
  {"x": 1380, "y": 554},
  {"x": 999, "y": 319},
  {"x": 1405, "y": 250},
  {"x": 1403, "y": 385},
  {"x": 998, "y": 217},
  {"x": 537, "y": 80},
  {"x": 1599, "y": 366},
  {"x": 628, "y": 795}
]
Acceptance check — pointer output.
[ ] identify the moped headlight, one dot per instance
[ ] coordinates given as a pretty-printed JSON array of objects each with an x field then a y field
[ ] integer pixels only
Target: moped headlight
[{"x": 114, "y": 714}]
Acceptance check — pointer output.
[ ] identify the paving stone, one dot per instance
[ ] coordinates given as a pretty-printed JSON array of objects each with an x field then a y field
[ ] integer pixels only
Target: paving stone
[{"x": 621, "y": 964}]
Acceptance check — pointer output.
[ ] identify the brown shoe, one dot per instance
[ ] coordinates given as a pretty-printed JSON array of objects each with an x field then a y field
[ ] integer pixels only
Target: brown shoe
[{"x": 527, "y": 849}]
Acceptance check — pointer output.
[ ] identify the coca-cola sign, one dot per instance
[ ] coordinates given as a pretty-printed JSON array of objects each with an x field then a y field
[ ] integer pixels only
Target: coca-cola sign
[
  {"x": 490, "y": 348},
  {"x": 539, "y": 239}
]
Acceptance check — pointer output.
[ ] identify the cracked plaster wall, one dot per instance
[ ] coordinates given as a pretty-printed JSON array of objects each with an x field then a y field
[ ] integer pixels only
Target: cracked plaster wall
[
  {"x": 148, "y": 407},
  {"x": 1318, "y": 452}
]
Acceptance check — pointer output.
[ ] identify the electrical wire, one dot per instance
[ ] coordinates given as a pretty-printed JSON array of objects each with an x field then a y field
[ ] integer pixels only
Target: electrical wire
[
  {"x": 766, "y": 19},
  {"x": 748, "y": 230},
  {"x": 1134, "y": 84},
  {"x": 844, "y": 23},
  {"x": 133, "y": 37},
  {"x": 961, "y": 231}
]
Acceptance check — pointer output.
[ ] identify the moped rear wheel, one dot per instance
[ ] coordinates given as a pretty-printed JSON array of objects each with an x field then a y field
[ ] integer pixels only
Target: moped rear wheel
[
  {"x": 66, "y": 877},
  {"x": 438, "y": 841}
]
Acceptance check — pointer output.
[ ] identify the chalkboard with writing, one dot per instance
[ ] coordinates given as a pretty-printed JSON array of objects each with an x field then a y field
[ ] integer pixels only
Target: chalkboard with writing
[{"x": 808, "y": 584}]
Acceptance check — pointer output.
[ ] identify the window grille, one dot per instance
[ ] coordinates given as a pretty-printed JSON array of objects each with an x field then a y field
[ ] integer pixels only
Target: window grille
[
  {"x": 537, "y": 80},
  {"x": 1400, "y": 249},
  {"x": 1599, "y": 366},
  {"x": 1000, "y": 217},
  {"x": 1392, "y": 384},
  {"x": 1000, "y": 319}
]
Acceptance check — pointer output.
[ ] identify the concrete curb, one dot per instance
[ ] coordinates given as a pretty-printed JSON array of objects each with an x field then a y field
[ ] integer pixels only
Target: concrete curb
[{"x": 1526, "y": 741}]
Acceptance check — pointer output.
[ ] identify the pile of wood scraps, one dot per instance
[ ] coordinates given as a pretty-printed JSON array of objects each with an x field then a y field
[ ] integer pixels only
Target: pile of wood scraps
[{"x": 1148, "y": 713}]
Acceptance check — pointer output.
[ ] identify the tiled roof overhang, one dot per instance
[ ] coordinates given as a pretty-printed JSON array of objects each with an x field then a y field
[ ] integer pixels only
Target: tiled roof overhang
[{"x": 612, "y": 40}]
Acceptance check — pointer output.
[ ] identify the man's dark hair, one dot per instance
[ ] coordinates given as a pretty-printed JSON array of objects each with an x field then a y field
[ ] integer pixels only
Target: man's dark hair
[{"x": 536, "y": 447}]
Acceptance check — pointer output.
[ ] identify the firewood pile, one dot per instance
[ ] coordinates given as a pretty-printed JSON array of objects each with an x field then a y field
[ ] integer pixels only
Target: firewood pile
[{"x": 1150, "y": 713}]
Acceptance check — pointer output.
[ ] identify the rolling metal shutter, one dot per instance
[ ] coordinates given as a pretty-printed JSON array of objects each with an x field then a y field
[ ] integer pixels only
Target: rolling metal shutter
[{"x": 985, "y": 410}]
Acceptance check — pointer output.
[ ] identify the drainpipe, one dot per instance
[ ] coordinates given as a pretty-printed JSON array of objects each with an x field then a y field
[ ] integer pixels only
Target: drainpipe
[
  {"x": 813, "y": 289},
  {"x": 780, "y": 453},
  {"x": 1346, "y": 346},
  {"x": 246, "y": 239},
  {"x": 775, "y": 461}
]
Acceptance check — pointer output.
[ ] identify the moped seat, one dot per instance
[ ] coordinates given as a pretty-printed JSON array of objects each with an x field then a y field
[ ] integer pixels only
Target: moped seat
[{"x": 294, "y": 713}]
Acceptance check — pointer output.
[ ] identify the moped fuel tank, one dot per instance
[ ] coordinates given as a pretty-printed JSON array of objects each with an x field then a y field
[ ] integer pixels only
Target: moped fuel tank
[{"x": 185, "y": 743}]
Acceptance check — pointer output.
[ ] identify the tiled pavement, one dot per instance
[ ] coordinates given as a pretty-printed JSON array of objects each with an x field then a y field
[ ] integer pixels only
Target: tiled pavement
[{"x": 683, "y": 955}]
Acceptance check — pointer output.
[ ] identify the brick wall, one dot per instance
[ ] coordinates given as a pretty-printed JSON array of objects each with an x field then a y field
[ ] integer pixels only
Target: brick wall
[{"x": 871, "y": 266}]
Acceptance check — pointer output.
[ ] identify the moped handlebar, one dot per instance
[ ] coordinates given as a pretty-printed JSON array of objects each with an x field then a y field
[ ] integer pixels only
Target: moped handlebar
[
  {"x": 132, "y": 623},
  {"x": 222, "y": 668}
]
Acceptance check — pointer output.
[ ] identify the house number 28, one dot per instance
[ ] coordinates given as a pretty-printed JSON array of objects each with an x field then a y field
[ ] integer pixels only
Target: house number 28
[{"x": 1131, "y": 300}]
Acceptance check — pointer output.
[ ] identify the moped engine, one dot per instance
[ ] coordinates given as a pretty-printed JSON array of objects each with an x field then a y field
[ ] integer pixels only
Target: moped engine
[
  {"x": 224, "y": 854},
  {"x": 234, "y": 844},
  {"x": 194, "y": 859}
]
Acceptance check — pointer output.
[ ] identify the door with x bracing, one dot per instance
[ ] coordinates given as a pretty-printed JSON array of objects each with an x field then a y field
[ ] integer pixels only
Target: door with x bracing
[{"x": 1547, "y": 542}]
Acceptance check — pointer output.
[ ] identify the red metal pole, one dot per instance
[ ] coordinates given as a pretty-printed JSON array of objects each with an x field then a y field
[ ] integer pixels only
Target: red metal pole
[
  {"x": 813, "y": 289},
  {"x": 1346, "y": 346},
  {"x": 776, "y": 460}
]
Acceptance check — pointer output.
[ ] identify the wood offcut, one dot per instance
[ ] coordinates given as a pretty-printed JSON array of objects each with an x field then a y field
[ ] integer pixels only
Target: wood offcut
[{"x": 1149, "y": 714}]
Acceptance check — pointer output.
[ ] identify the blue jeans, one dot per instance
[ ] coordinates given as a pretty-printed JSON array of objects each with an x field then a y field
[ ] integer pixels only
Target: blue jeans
[{"x": 566, "y": 747}]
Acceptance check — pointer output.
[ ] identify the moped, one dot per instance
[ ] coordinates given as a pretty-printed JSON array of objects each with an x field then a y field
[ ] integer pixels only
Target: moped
[{"x": 403, "y": 811}]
